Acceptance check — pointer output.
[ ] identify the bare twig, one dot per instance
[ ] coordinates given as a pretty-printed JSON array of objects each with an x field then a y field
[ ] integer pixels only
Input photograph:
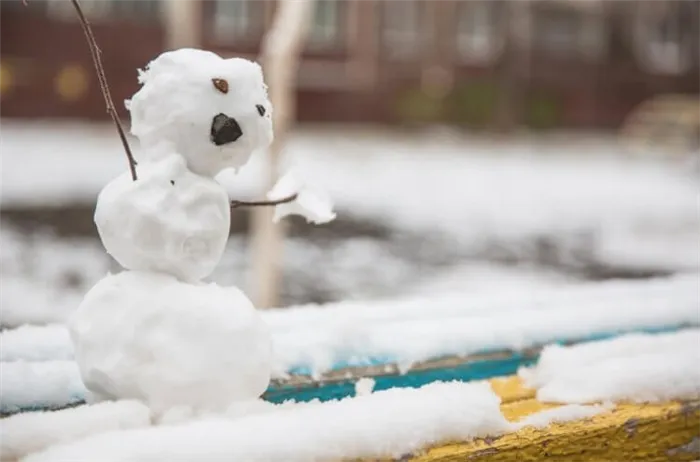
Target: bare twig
[
  {"x": 284, "y": 200},
  {"x": 95, "y": 52}
]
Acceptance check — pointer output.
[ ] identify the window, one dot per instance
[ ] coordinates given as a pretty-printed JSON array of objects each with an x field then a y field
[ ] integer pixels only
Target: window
[
  {"x": 663, "y": 36},
  {"x": 103, "y": 9},
  {"x": 142, "y": 9},
  {"x": 566, "y": 30},
  {"x": 33, "y": 7},
  {"x": 557, "y": 31},
  {"x": 480, "y": 31},
  {"x": 326, "y": 26},
  {"x": 234, "y": 18},
  {"x": 401, "y": 28}
]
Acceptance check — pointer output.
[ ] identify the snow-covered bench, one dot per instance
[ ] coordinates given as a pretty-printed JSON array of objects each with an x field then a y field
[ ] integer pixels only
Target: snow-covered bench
[
  {"x": 322, "y": 351},
  {"x": 636, "y": 397}
]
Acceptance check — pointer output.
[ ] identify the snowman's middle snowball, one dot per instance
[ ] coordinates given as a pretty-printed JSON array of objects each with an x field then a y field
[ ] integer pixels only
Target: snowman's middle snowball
[{"x": 169, "y": 220}]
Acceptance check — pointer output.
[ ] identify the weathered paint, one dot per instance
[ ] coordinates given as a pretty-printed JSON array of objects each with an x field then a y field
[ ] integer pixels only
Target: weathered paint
[
  {"x": 629, "y": 433},
  {"x": 637, "y": 433},
  {"x": 340, "y": 381}
]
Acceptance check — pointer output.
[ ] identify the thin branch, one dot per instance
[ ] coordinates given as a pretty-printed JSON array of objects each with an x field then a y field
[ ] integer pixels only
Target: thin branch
[
  {"x": 95, "y": 52},
  {"x": 284, "y": 200}
]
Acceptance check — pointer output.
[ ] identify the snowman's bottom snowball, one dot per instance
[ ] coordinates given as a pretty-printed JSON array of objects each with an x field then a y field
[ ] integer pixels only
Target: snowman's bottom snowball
[{"x": 148, "y": 336}]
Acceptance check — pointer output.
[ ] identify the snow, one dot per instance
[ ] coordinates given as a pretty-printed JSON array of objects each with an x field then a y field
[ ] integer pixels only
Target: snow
[
  {"x": 169, "y": 220},
  {"x": 316, "y": 339},
  {"x": 471, "y": 192},
  {"x": 24, "y": 302},
  {"x": 562, "y": 414},
  {"x": 36, "y": 343},
  {"x": 364, "y": 386},
  {"x": 43, "y": 384},
  {"x": 319, "y": 337},
  {"x": 147, "y": 336},
  {"x": 26, "y": 433},
  {"x": 175, "y": 108},
  {"x": 45, "y": 277},
  {"x": 635, "y": 367},
  {"x": 389, "y": 423},
  {"x": 310, "y": 203}
]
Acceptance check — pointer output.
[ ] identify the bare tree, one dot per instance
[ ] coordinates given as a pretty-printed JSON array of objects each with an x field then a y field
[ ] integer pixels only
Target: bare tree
[
  {"x": 280, "y": 54},
  {"x": 104, "y": 86}
]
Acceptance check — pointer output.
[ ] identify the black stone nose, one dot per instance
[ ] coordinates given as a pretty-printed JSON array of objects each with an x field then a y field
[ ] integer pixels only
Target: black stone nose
[{"x": 224, "y": 130}]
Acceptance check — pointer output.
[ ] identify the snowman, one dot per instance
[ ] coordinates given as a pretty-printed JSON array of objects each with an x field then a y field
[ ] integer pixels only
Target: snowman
[{"x": 155, "y": 331}]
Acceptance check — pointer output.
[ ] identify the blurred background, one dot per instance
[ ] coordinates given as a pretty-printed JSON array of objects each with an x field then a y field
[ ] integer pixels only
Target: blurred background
[{"x": 469, "y": 146}]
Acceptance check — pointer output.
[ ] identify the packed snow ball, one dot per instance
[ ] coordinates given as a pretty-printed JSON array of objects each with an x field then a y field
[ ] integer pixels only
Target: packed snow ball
[
  {"x": 150, "y": 337},
  {"x": 169, "y": 220},
  {"x": 213, "y": 111}
]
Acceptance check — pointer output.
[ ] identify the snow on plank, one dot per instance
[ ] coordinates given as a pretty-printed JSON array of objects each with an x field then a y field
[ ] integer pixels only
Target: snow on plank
[
  {"x": 621, "y": 367},
  {"x": 28, "y": 386},
  {"x": 497, "y": 420},
  {"x": 441, "y": 422},
  {"x": 383, "y": 424},
  {"x": 322, "y": 351},
  {"x": 25, "y": 433},
  {"x": 318, "y": 339},
  {"x": 665, "y": 431}
]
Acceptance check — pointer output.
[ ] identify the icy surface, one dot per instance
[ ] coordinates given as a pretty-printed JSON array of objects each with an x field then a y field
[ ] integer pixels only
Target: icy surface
[
  {"x": 176, "y": 105},
  {"x": 45, "y": 384},
  {"x": 387, "y": 423},
  {"x": 638, "y": 368},
  {"x": 169, "y": 220},
  {"x": 148, "y": 336},
  {"x": 26, "y": 433},
  {"x": 310, "y": 203}
]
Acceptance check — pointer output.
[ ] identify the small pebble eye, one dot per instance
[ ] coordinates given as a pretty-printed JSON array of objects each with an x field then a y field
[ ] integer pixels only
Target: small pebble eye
[
  {"x": 261, "y": 109},
  {"x": 221, "y": 85}
]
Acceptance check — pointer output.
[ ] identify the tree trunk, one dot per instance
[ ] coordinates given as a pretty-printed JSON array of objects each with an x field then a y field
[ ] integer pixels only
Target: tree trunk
[{"x": 281, "y": 50}]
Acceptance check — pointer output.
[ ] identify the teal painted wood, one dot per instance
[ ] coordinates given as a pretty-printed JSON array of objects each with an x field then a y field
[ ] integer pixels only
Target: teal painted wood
[
  {"x": 469, "y": 371},
  {"x": 502, "y": 365},
  {"x": 476, "y": 370}
]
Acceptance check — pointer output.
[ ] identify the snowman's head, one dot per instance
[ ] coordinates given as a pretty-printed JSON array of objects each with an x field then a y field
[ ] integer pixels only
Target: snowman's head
[{"x": 213, "y": 111}]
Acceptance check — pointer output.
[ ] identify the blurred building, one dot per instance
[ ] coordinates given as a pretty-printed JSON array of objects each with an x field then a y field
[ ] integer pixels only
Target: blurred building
[{"x": 545, "y": 63}]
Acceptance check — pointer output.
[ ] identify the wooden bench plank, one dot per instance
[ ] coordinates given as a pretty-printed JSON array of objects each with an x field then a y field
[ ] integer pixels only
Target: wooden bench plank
[
  {"x": 340, "y": 382},
  {"x": 629, "y": 432},
  {"x": 663, "y": 432}
]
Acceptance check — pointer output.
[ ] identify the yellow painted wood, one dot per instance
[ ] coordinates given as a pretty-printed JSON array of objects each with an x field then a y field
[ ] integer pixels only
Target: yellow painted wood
[
  {"x": 511, "y": 389},
  {"x": 634, "y": 433},
  {"x": 628, "y": 433}
]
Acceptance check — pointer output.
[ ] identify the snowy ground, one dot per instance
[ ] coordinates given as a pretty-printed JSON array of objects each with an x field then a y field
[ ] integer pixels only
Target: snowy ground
[{"x": 459, "y": 213}]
